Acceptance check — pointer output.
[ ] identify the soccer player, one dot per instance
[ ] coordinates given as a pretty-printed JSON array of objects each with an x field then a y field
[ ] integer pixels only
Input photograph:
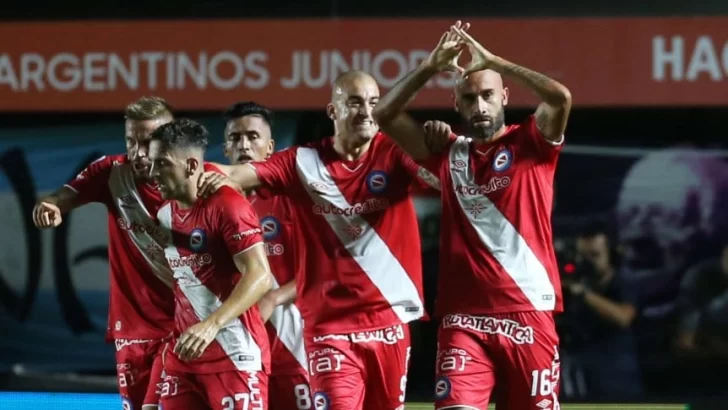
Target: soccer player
[
  {"x": 362, "y": 273},
  {"x": 221, "y": 354},
  {"x": 141, "y": 303},
  {"x": 499, "y": 284},
  {"x": 248, "y": 138}
]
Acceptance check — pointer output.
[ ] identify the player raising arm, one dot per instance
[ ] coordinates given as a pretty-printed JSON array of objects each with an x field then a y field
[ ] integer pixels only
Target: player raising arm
[
  {"x": 499, "y": 284},
  {"x": 482, "y": 106},
  {"x": 221, "y": 355}
]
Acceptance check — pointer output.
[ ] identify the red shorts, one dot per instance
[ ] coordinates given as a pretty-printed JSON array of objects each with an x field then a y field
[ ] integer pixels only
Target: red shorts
[
  {"x": 224, "y": 391},
  {"x": 289, "y": 392},
  {"x": 518, "y": 350},
  {"x": 364, "y": 370},
  {"x": 139, "y": 369}
]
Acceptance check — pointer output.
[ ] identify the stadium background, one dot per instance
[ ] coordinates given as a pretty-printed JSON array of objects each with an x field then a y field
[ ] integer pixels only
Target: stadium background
[{"x": 53, "y": 284}]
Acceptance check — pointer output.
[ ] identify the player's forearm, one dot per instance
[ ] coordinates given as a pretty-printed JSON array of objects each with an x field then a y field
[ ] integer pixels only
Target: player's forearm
[
  {"x": 549, "y": 90},
  {"x": 251, "y": 287},
  {"x": 64, "y": 198},
  {"x": 400, "y": 96},
  {"x": 620, "y": 314},
  {"x": 285, "y": 294},
  {"x": 244, "y": 176}
]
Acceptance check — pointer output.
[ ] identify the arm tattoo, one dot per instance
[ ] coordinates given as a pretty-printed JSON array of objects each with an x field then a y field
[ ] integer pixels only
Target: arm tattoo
[
  {"x": 542, "y": 119},
  {"x": 428, "y": 178},
  {"x": 530, "y": 76}
]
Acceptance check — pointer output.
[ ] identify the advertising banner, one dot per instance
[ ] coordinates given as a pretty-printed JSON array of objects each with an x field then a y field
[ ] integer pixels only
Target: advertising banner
[{"x": 290, "y": 64}]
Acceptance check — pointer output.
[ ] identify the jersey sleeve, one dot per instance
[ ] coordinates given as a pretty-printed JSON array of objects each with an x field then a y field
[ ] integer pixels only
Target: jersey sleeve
[
  {"x": 92, "y": 184},
  {"x": 237, "y": 222},
  {"x": 278, "y": 173},
  {"x": 537, "y": 144}
]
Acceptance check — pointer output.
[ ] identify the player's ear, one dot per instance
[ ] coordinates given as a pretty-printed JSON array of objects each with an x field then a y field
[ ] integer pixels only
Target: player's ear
[
  {"x": 506, "y": 92},
  {"x": 455, "y": 102},
  {"x": 331, "y": 111},
  {"x": 271, "y": 147},
  {"x": 192, "y": 166}
]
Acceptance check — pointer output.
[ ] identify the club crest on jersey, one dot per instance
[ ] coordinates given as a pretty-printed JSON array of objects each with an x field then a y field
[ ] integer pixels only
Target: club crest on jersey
[
  {"x": 271, "y": 227},
  {"x": 502, "y": 160},
  {"x": 320, "y": 401},
  {"x": 442, "y": 388},
  {"x": 127, "y": 405},
  {"x": 197, "y": 239},
  {"x": 377, "y": 182}
]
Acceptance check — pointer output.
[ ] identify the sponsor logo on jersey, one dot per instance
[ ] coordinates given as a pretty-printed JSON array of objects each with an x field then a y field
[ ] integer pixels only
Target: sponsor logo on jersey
[
  {"x": 377, "y": 182},
  {"x": 370, "y": 205},
  {"x": 127, "y": 202},
  {"x": 192, "y": 261},
  {"x": 511, "y": 329},
  {"x": 198, "y": 239},
  {"x": 442, "y": 388},
  {"x": 388, "y": 336},
  {"x": 240, "y": 235},
  {"x": 502, "y": 160},
  {"x": 319, "y": 187},
  {"x": 492, "y": 185},
  {"x": 122, "y": 343},
  {"x": 158, "y": 233},
  {"x": 271, "y": 227}
]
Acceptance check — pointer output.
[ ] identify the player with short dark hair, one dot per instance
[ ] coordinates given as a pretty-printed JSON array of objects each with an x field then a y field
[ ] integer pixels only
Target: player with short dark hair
[
  {"x": 362, "y": 268},
  {"x": 141, "y": 304},
  {"x": 221, "y": 355},
  {"x": 248, "y": 137},
  {"x": 499, "y": 282}
]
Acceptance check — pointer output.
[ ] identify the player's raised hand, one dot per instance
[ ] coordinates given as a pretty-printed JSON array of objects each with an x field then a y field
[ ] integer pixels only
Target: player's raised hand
[
  {"x": 445, "y": 56},
  {"x": 46, "y": 215},
  {"x": 193, "y": 342},
  {"x": 481, "y": 58},
  {"x": 210, "y": 182},
  {"x": 437, "y": 134}
]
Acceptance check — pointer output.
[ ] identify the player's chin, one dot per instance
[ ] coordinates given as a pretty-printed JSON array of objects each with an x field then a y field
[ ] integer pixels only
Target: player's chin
[{"x": 367, "y": 133}]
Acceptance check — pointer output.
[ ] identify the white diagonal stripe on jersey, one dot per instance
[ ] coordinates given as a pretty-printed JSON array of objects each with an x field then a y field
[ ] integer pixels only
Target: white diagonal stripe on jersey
[
  {"x": 287, "y": 321},
  {"x": 234, "y": 339},
  {"x": 498, "y": 234},
  {"x": 122, "y": 186},
  {"x": 368, "y": 250}
]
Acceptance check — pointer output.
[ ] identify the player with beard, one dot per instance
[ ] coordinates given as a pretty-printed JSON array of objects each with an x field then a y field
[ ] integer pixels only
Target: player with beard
[
  {"x": 360, "y": 282},
  {"x": 499, "y": 283},
  {"x": 248, "y": 138},
  {"x": 141, "y": 303}
]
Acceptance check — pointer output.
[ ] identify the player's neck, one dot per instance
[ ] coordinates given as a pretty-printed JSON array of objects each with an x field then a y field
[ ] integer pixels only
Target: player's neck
[{"x": 351, "y": 149}]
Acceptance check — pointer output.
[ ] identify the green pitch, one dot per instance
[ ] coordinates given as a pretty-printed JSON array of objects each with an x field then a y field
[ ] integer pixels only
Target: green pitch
[{"x": 426, "y": 406}]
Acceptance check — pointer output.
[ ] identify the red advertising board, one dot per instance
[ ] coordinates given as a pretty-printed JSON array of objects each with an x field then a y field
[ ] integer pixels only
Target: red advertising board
[{"x": 289, "y": 64}]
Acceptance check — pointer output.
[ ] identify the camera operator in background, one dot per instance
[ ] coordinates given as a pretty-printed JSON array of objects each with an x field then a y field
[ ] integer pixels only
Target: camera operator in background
[
  {"x": 599, "y": 355},
  {"x": 703, "y": 309}
]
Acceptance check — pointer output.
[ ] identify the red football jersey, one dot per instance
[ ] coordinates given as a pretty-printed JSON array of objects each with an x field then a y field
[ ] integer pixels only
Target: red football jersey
[
  {"x": 362, "y": 267},
  {"x": 204, "y": 240},
  {"x": 496, "y": 245},
  {"x": 285, "y": 327},
  {"x": 141, "y": 303}
]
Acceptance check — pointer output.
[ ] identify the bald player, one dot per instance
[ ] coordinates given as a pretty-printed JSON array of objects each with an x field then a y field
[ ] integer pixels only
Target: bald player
[
  {"x": 499, "y": 283},
  {"x": 361, "y": 281}
]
